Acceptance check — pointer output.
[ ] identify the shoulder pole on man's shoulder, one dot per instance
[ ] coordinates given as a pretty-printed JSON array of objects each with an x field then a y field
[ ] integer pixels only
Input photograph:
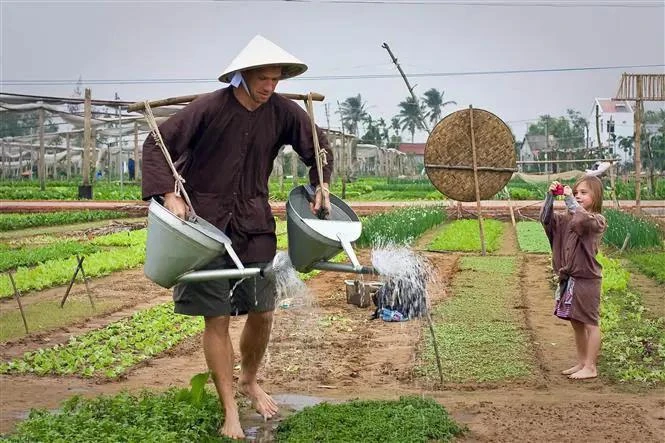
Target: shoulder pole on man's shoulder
[{"x": 139, "y": 106}]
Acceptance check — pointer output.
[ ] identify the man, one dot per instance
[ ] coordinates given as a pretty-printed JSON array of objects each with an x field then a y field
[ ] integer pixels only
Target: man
[{"x": 224, "y": 143}]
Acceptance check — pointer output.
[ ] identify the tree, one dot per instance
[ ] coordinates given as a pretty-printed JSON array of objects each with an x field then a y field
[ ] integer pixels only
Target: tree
[
  {"x": 353, "y": 112},
  {"x": 409, "y": 115},
  {"x": 434, "y": 101}
]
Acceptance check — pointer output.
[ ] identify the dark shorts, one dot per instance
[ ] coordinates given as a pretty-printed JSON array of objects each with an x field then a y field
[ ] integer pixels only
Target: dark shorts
[{"x": 212, "y": 298}]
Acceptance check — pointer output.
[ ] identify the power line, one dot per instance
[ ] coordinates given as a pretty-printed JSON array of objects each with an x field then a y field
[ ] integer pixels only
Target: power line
[
  {"x": 53, "y": 82},
  {"x": 471, "y": 3}
]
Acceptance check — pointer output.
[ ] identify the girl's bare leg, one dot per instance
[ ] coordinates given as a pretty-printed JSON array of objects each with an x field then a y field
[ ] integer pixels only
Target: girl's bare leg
[
  {"x": 592, "y": 349},
  {"x": 580, "y": 345}
]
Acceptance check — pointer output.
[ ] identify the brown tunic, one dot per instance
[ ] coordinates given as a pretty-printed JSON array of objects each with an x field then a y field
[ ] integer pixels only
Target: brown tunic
[
  {"x": 574, "y": 239},
  {"x": 225, "y": 153}
]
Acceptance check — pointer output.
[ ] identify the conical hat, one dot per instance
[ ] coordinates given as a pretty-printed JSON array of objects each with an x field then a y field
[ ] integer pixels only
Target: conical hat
[{"x": 262, "y": 52}]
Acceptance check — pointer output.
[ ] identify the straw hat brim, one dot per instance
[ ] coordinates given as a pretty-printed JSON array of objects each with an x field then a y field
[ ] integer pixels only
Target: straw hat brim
[{"x": 289, "y": 70}]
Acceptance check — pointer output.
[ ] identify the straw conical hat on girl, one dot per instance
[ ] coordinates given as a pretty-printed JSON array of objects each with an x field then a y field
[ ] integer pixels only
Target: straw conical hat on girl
[{"x": 262, "y": 52}]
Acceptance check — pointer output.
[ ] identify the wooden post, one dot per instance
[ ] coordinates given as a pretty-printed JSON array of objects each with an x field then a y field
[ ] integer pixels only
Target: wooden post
[
  {"x": 613, "y": 185},
  {"x": 87, "y": 145},
  {"x": 600, "y": 145},
  {"x": 510, "y": 206},
  {"x": 41, "y": 167},
  {"x": 55, "y": 164},
  {"x": 638, "y": 135},
  {"x": 69, "y": 157},
  {"x": 17, "y": 296},
  {"x": 137, "y": 167},
  {"x": 4, "y": 174},
  {"x": 294, "y": 168},
  {"x": 475, "y": 179}
]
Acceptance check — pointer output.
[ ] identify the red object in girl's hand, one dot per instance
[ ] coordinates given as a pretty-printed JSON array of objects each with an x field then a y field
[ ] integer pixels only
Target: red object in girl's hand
[{"x": 558, "y": 190}]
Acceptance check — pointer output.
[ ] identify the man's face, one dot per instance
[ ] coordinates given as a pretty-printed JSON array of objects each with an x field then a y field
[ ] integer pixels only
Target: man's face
[{"x": 262, "y": 82}]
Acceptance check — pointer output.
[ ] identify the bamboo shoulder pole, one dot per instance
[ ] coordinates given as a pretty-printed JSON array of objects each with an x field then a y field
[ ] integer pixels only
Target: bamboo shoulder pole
[{"x": 139, "y": 106}]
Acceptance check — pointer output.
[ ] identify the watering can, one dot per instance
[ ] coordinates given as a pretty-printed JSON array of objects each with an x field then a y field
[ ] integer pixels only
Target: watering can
[
  {"x": 314, "y": 241},
  {"x": 176, "y": 248}
]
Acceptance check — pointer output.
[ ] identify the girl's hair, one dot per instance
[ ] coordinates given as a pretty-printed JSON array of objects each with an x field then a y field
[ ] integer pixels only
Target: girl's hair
[{"x": 596, "y": 188}]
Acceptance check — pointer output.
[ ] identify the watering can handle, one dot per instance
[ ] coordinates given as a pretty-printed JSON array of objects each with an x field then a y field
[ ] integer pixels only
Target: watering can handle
[{"x": 310, "y": 194}]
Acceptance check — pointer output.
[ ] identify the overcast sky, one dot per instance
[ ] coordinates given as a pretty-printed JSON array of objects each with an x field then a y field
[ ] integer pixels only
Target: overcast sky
[{"x": 116, "y": 45}]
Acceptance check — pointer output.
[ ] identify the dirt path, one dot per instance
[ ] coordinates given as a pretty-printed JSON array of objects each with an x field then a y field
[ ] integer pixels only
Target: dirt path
[{"x": 330, "y": 349}]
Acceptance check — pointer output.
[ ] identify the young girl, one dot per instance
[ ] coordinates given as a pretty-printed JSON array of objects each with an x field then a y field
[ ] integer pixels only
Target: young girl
[{"x": 574, "y": 236}]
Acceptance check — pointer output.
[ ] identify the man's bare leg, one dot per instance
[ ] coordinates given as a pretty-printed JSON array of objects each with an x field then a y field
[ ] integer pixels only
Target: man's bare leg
[
  {"x": 218, "y": 351},
  {"x": 253, "y": 343}
]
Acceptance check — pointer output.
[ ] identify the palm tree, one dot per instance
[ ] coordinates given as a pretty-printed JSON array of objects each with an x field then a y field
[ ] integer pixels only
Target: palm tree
[
  {"x": 395, "y": 125},
  {"x": 353, "y": 112},
  {"x": 434, "y": 101},
  {"x": 410, "y": 115}
]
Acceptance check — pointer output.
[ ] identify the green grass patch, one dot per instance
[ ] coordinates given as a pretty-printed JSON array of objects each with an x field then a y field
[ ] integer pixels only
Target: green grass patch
[
  {"x": 651, "y": 264},
  {"x": 12, "y": 222},
  {"x": 58, "y": 272},
  {"x": 112, "y": 350},
  {"x": 477, "y": 330},
  {"x": 633, "y": 345},
  {"x": 643, "y": 232},
  {"x": 531, "y": 238},
  {"x": 174, "y": 416},
  {"x": 26, "y": 257},
  {"x": 411, "y": 419},
  {"x": 400, "y": 226},
  {"x": 464, "y": 235}
]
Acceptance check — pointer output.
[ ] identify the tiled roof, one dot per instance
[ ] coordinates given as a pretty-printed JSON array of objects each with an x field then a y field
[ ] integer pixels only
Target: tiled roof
[{"x": 412, "y": 148}]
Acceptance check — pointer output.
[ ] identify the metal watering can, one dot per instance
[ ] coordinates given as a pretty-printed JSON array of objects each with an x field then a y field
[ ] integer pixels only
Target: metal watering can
[
  {"x": 176, "y": 248},
  {"x": 314, "y": 241}
]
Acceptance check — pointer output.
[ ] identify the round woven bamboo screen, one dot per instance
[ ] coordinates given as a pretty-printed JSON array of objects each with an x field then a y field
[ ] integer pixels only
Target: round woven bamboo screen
[{"x": 449, "y": 155}]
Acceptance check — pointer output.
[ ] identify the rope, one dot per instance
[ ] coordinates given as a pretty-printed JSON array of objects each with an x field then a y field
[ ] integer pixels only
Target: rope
[
  {"x": 320, "y": 155},
  {"x": 179, "y": 188}
]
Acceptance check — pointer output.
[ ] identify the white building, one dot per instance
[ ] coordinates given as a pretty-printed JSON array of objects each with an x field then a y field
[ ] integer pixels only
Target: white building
[{"x": 615, "y": 119}]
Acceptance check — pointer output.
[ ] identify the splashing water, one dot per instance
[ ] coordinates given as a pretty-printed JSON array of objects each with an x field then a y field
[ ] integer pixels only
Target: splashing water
[
  {"x": 290, "y": 289},
  {"x": 405, "y": 275}
]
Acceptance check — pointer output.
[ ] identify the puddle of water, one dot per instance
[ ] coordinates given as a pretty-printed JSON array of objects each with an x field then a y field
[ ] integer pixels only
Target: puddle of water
[{"x": 263, "y": 431}]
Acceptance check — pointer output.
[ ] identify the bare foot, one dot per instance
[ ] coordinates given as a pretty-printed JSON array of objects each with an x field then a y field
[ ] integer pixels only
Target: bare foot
[
  {"x": 572, "y": 370},
  {"x": 262, "y": 402},
  {"x": 231, "y": 427},
  {"x": 584, "y": 373}
]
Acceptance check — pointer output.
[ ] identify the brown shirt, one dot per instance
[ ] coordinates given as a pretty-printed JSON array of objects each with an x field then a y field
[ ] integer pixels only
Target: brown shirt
[
  {"x": 574, "y": 239},
  {"x": 225, "y": 154}
]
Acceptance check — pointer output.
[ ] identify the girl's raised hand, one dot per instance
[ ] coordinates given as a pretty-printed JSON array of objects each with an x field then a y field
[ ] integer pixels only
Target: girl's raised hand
[
  {"x": 556, "y": 188},
  {"x": 567, "y": 190}
]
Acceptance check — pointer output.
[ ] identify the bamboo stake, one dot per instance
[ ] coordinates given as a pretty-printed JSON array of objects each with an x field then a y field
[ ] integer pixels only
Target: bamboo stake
[
  {"x": 79, "y": 266},
  {"x": 17, "y": 296},
  {"x": 436, "y": 347},
  {"x": 475, "y": 179}
]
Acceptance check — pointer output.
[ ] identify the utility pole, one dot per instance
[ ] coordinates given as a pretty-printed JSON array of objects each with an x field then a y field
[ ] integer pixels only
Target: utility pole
[{"x": 409, "y": 87}]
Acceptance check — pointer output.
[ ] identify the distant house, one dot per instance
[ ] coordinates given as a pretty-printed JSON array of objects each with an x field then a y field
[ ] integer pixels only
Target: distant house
[
  {"x": 615, "y": 119},
  {"x": 415, "y": 153},
  {"x": 537, "y": 147}
]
